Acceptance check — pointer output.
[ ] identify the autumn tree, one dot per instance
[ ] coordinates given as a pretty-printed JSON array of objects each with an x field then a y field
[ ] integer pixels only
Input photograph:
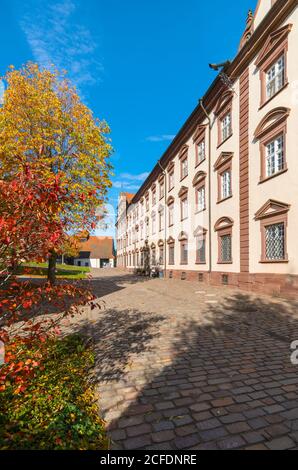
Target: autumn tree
[
  {"x": 43, "y": 123},
  {"x": 30, "y": 226}
]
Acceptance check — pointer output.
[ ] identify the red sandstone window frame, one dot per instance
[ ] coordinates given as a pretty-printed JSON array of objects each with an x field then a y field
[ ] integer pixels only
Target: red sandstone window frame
[
  {"x": 275, "y": 47},
  {"x": 271, "y": 136},
  {"x": 278, "y": 213},
  {"x": 273, "y": 125},
  {"x": 223, "y": 164},
  {"x": 277, "y": 219},
  {"x": 224, "y": 226}
]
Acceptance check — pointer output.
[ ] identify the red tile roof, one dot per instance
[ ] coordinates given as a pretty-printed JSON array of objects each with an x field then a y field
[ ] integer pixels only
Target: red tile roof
[
  {"x": 98, "y": 247},
  {"x": 129, "y": 196}
]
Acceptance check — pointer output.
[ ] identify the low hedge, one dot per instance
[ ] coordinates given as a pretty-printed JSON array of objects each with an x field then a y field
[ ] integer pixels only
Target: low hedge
[{"x": 59, "y": 409}]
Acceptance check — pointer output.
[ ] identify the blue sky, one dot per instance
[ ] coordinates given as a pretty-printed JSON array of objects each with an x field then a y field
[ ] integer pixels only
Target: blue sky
[{"x": 141, "y": 65}]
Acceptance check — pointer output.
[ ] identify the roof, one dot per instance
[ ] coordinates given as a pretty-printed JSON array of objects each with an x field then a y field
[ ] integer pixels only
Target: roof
[
  {"x": 129, "y": 196},
  {"x": 97, "y": 247}
]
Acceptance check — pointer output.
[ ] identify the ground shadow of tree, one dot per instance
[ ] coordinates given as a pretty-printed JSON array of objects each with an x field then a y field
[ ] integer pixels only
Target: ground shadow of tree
[
  {"x": 116, "y": 336},
  {"x": 238, "y": 354}
]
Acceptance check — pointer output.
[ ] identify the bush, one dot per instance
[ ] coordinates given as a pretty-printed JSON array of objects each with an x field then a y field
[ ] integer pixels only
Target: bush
[{"x": 58, "y": 409}]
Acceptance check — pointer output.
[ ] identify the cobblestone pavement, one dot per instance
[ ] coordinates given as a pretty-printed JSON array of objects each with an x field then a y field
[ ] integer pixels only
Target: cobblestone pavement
[{"x": 185, "y": 366}]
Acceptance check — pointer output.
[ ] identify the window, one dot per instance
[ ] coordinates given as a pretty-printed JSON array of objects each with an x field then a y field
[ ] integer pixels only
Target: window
[
  {"x": 161, "y": 220},
  {"x": 184, "y": 208},
  {"x": 275, "y": 156},
  {"x": 147, "y": 227},
  {"x": 223, "y": 227},
  {"x": 275, "y": 77},
  {"x": 225, "y": 178},
  {"x": 161, "y": 190},
  {"x": 153, "y": 197},
  {"x": 201, "y": 249},
  {"x": 272, "y": 63},
  {"x": 226, "y": 248},
  {"x": 184, "y": 168},
  {"x": 141, "y": 231},
  {"x": 223, "y": 166},
  {"x": 172, "y": 254},
  {"x": 153, "y": 256},
  {"x": 171, "y": 180},
  {"x": 161, "y": 261},
  {"x": 184, "y": 251},
  {"x": 274, "y": 220},
  {"x": 201, "y": 152},
  {"x": 275, "y": 242},
  {"x": 147, "y": 203},
  {"x": 226, "y": 127},
  {"x": 153, "y": 218},
  {"x": 171, "y": 214},
  {"x": 201, "y": 199},
  {"x": 271, "y": 133}
]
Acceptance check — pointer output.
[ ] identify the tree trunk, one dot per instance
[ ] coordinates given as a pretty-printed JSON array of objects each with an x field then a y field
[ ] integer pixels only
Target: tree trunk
[{"x": 52, "y": 268}]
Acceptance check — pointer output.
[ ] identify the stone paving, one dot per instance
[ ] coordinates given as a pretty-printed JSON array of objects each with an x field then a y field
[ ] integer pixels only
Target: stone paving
[{"x": 184, "y": 366}]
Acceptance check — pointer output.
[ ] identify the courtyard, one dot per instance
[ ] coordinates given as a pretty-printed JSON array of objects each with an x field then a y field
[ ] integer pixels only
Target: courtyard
[{"x": 181, "y": 365}]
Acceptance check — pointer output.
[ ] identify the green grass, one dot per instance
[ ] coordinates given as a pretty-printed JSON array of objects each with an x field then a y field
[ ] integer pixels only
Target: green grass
[
  {"x": 59, "y": 409},
  {"x": 64, "y": 271}
]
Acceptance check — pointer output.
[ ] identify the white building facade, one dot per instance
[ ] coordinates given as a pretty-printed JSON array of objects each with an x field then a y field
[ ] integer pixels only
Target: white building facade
[{"x": 221, "y": 206}]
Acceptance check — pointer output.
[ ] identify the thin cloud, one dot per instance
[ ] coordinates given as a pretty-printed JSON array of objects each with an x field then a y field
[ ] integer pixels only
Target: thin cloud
[
  {"x": 132, "y": 177},
  {"x": 160, "y": 138},
  {"x": 125, "y": 185},
  {"x": 55, "y": 38}
]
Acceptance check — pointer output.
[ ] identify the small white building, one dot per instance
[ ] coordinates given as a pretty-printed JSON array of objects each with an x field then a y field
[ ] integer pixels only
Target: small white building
[{"x": 96, "y": 252}]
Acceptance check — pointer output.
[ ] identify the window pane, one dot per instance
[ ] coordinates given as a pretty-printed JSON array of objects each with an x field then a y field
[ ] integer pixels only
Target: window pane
[
  {"x": 201, "y": 250},
  {"x": 275, "y": 241},
  {"x": 226, "y": 248},
  {"x": 275, "y": 156},
  {"x": 184, "y": 252},
  {"x": 201, "y": 198},
  {"x": 275, "y": 77},
  {"x": 226, "y": 126},
  {"x": 201, "y": 151},
  {"x": 171, "y": 254},
  {"x": 226, "y": 184}
]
